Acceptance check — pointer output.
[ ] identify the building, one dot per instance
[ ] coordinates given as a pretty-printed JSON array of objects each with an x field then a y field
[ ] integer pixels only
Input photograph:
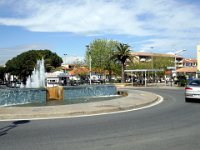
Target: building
[
  {"x": 182, "y": 66},
  {"x": 188, "y": 62},
  {"x": 150, "y": 57},
  {"x": 189, "y": 72},
  {"x": 68, "y": 67},
  {"x": 147, "y": 57},
  {"x": 198, "y": 60},
  {"x": 56, "y": 78}
]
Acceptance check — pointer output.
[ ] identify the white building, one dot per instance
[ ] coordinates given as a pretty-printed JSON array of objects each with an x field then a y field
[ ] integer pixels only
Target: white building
[{"x": 56, "y": 78}]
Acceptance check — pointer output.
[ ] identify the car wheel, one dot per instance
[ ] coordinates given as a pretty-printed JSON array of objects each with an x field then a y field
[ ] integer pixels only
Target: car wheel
[{"x": 187, "y": 100}]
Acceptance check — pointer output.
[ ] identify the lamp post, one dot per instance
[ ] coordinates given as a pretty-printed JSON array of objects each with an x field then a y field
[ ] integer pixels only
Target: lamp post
[
  {"x": 90, "y": 62},
  {"x": 152, "y": 57},
  {"x": 152, "y": 64},
  {"x": 175, "y": 54},
  {"x": 65, "y": 62}
]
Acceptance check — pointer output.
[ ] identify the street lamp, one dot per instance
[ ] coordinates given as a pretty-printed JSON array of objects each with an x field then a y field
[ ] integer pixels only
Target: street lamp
[
  {"x": 175, "y": 54},
  {"x": 90, "y": 61},
  {"x": 152, "y": 56},
  {"x": 152, "y": 64},
  {"x": 65, "y": 55},
  {"x": 65, "y": 62}
]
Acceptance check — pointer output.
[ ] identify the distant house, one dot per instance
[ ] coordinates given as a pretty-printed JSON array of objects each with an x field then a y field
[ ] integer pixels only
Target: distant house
[
  {"x": 68, "y": 67},
  {"x": 189, "y": 68},
  {"x": 77, "y": 72},
  {"x": 190, "y": 72},
  {"x": 56, "y": 78},
  {"x": 147, "y": 57},
  {"x": 188, "y": 62}
]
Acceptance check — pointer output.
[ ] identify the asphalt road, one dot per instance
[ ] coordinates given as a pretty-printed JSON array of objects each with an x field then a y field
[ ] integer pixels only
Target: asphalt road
[{"x": 173, "y": 125}]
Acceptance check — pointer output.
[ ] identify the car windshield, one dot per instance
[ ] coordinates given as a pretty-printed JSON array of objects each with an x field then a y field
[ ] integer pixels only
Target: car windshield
[{"x": 195, "y": 83}]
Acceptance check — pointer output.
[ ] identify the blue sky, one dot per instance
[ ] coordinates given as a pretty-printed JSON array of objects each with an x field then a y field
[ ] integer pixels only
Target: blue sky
[{"x": 66, "y": 26}]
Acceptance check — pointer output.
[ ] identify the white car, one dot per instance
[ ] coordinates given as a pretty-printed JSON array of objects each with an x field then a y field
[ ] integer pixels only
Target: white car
[{"x": 192, "y": 90}]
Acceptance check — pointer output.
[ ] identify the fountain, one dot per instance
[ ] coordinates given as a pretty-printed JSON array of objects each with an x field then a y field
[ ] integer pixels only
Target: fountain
[
  {"x": 35, "y": 91},
  {"x": 37, "y": 78}
]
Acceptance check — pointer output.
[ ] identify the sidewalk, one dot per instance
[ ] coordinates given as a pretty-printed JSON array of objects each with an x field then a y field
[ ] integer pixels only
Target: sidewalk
[{"x": 135, "y": 99}]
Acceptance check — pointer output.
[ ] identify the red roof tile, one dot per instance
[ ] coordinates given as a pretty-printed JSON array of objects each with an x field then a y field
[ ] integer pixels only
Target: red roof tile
[
  {"x": 187, "y": 69},
  {"x": 188, "y": 60},
  {"x": 81, "y": 70}
]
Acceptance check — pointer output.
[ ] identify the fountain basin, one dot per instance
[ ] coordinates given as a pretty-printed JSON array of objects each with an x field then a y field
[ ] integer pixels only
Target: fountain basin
[
  {"x": 19, "y": 96},
  {"x": 89, "y": 91},
  {"x": 16, "y": 96}
]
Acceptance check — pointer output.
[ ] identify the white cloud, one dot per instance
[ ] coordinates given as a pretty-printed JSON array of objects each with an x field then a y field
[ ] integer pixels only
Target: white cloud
[
  {"x": 100, "y": 17},
  {"x": 171, "y": 46},
  {"x": 164, "y": 22},
  {"x": 88, "y": 17}
]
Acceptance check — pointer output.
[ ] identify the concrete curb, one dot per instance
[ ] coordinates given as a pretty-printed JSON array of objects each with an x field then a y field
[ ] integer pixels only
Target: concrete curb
[{"x": 135, "y": 99}]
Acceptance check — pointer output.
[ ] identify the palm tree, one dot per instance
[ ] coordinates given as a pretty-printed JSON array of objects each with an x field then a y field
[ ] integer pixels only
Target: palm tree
[{"x": 122, "y": 54}]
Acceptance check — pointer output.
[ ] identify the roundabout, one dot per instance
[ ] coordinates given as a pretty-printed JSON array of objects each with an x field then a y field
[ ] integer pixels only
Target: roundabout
[
  {"x": 136, "y": 99},
  {"x": 173, "y": 124}
]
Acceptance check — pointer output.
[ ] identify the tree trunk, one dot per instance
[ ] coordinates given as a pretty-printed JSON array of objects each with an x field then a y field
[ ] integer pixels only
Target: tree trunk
[
  {"x": 123, "y": 79},
  {"x": 110, "y": 75}
]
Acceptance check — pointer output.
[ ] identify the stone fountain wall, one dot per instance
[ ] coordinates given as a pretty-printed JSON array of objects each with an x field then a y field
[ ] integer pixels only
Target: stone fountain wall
[
  {"x": 17, "y": 96},
  {"x": 89, "y": 91}
]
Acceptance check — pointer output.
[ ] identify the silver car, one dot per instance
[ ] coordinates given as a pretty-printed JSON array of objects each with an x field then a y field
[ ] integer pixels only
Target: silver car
[{"x": 192, "y": 90}]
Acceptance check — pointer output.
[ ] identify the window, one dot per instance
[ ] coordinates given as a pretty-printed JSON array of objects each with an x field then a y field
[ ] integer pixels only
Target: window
[{"x": 195, "y": 83}]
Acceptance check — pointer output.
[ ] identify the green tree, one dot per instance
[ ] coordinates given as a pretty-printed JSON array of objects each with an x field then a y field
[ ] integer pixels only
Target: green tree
[
  {"x": 101, "y": 51},
  {"x": 158, "y": 62},
  {"x": 23, "y": 64},
  {"x": 122, "y": 54},
  {"x": 161, "y": 62},
  {"x": 2, "y": 73}
]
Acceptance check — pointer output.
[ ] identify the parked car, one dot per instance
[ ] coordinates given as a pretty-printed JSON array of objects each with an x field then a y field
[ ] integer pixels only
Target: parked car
[{"x": 192, "y": 90}]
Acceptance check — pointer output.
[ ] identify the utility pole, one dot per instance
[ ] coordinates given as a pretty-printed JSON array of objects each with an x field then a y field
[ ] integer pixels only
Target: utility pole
[
  {"x": 65, "y": 61},
  {"x": 175, "y": 54},
  {"x": 90, "y": 62}
]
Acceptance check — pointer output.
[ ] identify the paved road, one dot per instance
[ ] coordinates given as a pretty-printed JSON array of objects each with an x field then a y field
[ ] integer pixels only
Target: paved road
[{"x": 172, "y": 125}]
